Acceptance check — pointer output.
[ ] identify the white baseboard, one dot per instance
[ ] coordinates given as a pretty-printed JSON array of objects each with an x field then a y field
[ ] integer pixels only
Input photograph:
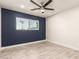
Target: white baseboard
[
  {"x": 21, "y": 44},
  {"x": 77, "y": 49},
  {"x": 39, "y": 42}
]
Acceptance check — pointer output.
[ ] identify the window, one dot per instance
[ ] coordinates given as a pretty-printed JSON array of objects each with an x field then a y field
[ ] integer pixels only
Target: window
[
  {"x": 34, "y": 25},
  {"x": 26, "y": 24}
]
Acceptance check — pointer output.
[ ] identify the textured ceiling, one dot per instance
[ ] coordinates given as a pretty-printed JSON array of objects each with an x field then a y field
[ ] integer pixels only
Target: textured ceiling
[{"x": 58, "y": 5}]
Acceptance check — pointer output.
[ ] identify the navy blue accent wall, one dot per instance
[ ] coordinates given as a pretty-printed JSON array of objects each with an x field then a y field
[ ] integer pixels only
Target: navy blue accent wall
[{"x": 11, "y": 36}]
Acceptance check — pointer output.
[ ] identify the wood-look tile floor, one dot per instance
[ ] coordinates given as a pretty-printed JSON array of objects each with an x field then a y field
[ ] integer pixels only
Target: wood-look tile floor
[{"x": 43, "y": 50}]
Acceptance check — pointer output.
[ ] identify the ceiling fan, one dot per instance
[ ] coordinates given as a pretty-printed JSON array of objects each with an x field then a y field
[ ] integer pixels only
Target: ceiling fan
[{"x": 42, "y": 7}]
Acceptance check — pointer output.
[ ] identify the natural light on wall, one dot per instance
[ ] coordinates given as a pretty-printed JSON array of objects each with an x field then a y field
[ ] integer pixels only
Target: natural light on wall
[{"x": 26, "y": 24}]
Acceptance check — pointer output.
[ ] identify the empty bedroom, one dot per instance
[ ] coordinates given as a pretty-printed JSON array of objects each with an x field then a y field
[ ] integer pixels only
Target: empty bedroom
[{"x": 39, "y": 29}]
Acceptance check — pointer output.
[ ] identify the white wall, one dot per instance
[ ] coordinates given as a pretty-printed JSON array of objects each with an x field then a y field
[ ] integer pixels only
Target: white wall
[
  {"x": 0, "y": 26},
  {"x": 63, "y": 28}
]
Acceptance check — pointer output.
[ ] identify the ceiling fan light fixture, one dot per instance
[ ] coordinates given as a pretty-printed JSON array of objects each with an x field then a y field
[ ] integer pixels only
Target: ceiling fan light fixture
[{"x": 42, "y": 10}]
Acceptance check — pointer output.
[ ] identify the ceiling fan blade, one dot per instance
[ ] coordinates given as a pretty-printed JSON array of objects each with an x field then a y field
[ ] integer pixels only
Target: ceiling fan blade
[
  {"x": 47, "y": 3},
  {"x": 35, "y": 9},
  {"x": 35, "y": 3},
  {"x": 48, "y": 9}
]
